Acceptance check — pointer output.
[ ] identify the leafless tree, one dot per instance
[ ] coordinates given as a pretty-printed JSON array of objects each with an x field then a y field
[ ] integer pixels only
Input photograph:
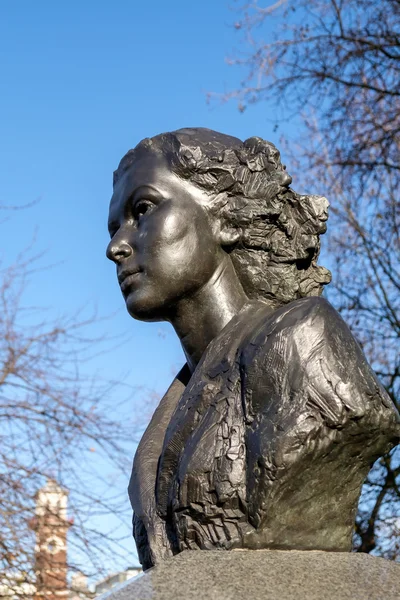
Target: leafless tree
[
  {"x": 54, "y": 417},
  {"x": 329, "y": 70}
]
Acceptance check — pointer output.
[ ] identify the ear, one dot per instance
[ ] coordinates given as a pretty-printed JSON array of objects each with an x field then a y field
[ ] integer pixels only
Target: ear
[
  {"x": 229, "y": 236},
  {"x": 226, "y": 236}
]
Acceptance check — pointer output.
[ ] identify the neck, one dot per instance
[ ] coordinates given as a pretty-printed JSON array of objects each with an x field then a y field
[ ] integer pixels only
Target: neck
[{"x": 200, "y": 318}]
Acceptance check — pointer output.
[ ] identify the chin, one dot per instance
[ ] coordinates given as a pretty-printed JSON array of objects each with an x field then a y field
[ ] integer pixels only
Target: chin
[{"x": 143, "y": 308}]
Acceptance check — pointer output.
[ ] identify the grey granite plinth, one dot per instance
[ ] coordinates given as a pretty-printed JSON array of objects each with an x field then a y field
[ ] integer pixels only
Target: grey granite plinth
[{"x": 266, "y": 575}]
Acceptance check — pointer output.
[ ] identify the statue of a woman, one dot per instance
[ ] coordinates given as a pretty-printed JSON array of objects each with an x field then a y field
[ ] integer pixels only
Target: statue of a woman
[{"x": 264, "y": 438}]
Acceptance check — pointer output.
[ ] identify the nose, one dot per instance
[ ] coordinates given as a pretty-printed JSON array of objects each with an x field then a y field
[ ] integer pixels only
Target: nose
[{"x": 118, "y": 250}]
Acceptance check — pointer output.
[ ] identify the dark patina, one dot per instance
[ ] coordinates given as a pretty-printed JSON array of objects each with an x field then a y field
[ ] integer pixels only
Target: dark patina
[{"x": 264, "y": 438}]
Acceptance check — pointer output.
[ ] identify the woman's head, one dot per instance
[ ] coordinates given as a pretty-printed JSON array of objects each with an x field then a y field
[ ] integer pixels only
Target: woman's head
[{"x": 271, "y": 232}]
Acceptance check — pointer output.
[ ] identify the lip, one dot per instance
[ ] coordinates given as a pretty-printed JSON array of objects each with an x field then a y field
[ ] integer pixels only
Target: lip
[{"x": 126, "y": 278}]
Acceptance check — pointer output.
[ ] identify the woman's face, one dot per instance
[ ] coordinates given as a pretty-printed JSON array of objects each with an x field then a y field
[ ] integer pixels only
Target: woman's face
[{"x": 163, "y": 242}]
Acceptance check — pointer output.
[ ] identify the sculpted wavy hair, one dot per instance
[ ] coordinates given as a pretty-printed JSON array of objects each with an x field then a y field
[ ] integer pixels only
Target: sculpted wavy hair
[{"x": 278, "y": 244}]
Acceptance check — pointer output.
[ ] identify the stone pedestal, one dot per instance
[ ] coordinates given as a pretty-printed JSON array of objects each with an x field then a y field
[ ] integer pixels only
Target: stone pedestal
[{"x": 265, "y": 575}]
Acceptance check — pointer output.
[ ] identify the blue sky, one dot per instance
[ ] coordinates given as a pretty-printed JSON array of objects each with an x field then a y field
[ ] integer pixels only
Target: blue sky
[{"x": 81, "y": 82}]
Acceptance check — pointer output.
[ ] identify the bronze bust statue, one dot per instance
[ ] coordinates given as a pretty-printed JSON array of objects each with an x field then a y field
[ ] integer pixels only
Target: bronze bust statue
[{"x": 264, "y": 438}]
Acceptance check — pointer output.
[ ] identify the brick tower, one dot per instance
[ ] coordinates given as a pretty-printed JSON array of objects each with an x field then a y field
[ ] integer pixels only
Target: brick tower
[{"x": 51, "y": 526}]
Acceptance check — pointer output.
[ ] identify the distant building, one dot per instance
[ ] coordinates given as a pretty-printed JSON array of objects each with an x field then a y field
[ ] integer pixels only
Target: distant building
[
  {"x": 15, "y": 587},
  {"x": 78, "y": 589},
  {"x": 51, "y": 525},
  {"x": 115, "y": 579}
]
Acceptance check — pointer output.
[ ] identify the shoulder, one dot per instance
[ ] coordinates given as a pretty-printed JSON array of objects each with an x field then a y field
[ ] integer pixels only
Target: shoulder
[
  {"x": 306, "y": 348},
  {"x": 306, "y": 343},
  {"x": 304, "y": 323},
  {"x": 311, "y": 310},
  {"x": 302, "y": 335}
]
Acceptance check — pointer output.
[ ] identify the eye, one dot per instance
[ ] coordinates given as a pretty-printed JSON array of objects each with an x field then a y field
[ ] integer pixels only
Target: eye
[{"x": 141, "y": 208}]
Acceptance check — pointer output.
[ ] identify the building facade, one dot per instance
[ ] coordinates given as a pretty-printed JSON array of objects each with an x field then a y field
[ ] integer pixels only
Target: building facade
[{"x": 51, "y": 526}]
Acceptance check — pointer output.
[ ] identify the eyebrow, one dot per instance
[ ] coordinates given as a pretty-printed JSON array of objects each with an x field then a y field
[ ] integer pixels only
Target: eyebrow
[
  {"x": 146, "y": 187},
  {"x": 114, "y": 225}
]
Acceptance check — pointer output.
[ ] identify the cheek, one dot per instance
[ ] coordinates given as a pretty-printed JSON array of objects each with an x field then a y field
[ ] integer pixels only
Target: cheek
[
  {"x": 180, "y": 241},
  {"x": 176, "y": 229}
]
